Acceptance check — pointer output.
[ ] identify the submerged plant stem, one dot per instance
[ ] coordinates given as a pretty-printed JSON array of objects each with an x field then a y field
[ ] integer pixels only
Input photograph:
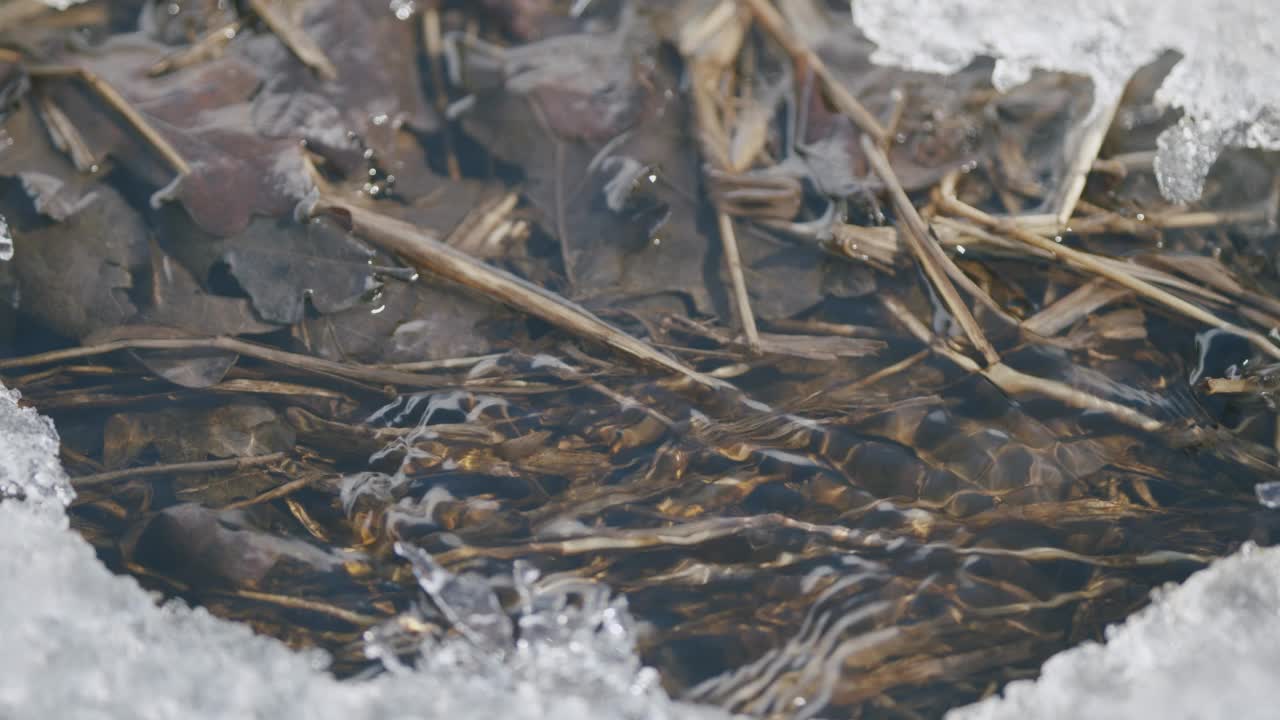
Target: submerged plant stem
[{"x": 176, "y": 468}]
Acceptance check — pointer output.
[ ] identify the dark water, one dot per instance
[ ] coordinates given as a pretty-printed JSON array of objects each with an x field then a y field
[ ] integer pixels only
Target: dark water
[{"x": 891, "y": 549}]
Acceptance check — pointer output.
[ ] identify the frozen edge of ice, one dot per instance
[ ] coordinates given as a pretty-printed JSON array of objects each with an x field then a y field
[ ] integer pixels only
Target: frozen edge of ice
[
  {"x": 1226, "y": 83},
  {"x": 82, "y": 642},
  {"x": 1209, "y": 648}
]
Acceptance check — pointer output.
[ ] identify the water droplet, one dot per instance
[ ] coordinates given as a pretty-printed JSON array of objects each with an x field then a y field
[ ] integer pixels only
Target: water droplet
[
  {"x": 403, "y": 9},
  {"x": 1268, "y": 494}
]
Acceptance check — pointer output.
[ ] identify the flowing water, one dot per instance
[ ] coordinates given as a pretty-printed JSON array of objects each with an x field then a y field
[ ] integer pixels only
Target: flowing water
[
  {"x": 857, "y": 521},
  {"x": 799, "y": 540}
]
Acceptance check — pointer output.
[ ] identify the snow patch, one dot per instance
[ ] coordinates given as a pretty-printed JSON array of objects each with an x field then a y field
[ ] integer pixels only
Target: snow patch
[
  {"x": 1207, "y": 649},
  {"x": 1227, "y": 83}
]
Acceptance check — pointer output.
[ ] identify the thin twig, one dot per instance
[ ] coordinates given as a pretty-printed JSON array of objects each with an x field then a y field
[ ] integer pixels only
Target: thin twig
[
  {"x": 1077, "y": 304},
  {"x": 706, "y": 74},
  {"x": 934, "y": 262},
  {"x": 429, "y": 254},
  {"x": 66, "y": 137},
  {"x": 275, "y": 493},
  {"x": 434, "y": 45},
  {"x": 176, "y": 468},
  {"x": 1097, "y": 265},
  {"x": 260, "y": 352},
  {"x": 315, "y": 606},
  {"x": 447, "y": 364},
  {"x": 294, "y": 38},
  {"x": 206, "y": 48},
  {"x": 733, "y": 259},
  {"x": 1080, "y": 158},
  {"x": 845, "y": 102},
  {"x": 1016, "y": 382},
  {"x": 118, "y": 103}
]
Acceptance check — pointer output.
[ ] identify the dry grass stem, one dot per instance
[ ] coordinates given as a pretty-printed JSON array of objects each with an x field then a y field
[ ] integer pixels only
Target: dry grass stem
[
  {"x": 118, "y": 103},
  {"x": 937, "y": 266},
  {"x": 178, "y": 468},
  {"x": 427, "y": 253}
]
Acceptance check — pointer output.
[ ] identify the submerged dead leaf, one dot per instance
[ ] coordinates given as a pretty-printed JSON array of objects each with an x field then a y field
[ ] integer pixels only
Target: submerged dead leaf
[
  {"x": 241, "y": 428},
  {"x": 54, "y": 185},
  {"x": 413, "y": 321},
  {"x": 76, "y": 276},
  {"x": 283, "y": 265},
  {"x": 204, "y": 547}
]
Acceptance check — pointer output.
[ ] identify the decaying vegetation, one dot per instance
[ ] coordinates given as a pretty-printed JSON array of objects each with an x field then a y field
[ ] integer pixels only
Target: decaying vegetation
[{"x": 684, "y": 296}]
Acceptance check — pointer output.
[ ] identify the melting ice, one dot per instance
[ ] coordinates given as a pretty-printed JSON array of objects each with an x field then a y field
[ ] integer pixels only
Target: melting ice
[
  {"x": 1227, "y": 83},
  {"x": 6, "y": 241}
]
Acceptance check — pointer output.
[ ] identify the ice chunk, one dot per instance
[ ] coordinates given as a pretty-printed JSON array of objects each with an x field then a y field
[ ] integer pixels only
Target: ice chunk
[
  {"x": 84, "y": 643},
  {"x": 466, "y": 600},
  {"x": 1208, "y": 649},
  {"x": 6, "y": 241},
  {"x": 1268, "y": 494},
  {"x": 1227, "y": 82},
  {"x": 29, "y": 465}
]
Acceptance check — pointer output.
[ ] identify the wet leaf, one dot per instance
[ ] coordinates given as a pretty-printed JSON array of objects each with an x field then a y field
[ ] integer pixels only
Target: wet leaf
[
  {"x": 378, "y": 87},
  {"x": 205, "y": 547},
  {"x": 177, "y": 300},
  {"x": 56, "y": 188},
  {"x": 238, "y": 429},
  {"x": 616, "y": 180},
  {"x": 203, "y": 113},
  {"x": 283, "y": 265},
  {"x": 75, "y": 276},
  {"x": 408, "y": 322}
]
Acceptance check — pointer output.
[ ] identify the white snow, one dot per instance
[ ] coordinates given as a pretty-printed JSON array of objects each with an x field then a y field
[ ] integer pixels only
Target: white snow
[
  {"x": 1227, "y": 83},
  {"x": 1209, "y": 649},
  {"x": 29, "y": 465},
  {"x": 6, "y": 241},
  {"x": 82, "y": 643}
]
